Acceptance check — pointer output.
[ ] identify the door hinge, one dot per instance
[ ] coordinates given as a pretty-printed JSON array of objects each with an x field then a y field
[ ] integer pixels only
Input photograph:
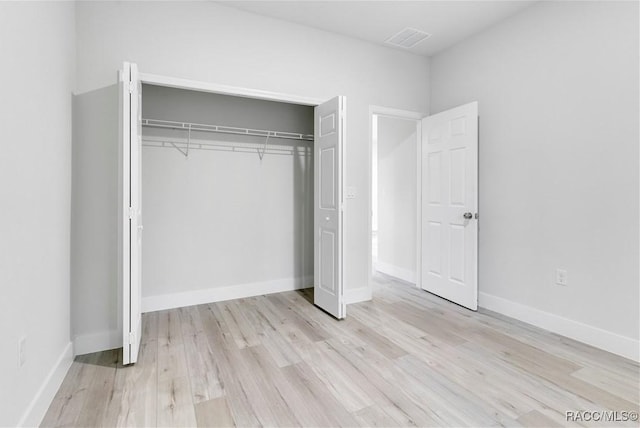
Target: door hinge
[
  {"x": 132, "y": 87},
  {"x": 132, "y": 212},
  {"x": 131, "y": 338}
]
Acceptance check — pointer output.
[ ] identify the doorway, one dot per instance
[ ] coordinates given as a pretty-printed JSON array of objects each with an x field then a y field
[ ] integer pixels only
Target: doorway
[
  {"x": 395, "y": 185},
  {"x": 429, "y": 167}
]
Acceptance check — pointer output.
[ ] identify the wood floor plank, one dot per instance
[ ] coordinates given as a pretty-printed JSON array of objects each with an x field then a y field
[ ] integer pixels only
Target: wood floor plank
[
  {"x": 306, "y": 410},
  {"x": 203, "y": 371},
  {"x": 279, "y": 349},
  {"x": 68, "y": 402},
  {"x": 370, "y": 314},
  {"x": 190, "y": 322},
  {"x": 214, "y": 413},
  {"x": 313, "y": 390},
  {"x": 175, "y": 405},
  {"x": 422, "y": 321},
  {"x": 308, "y": 327},
  {"x": 100, "y": 390},
  {"x": 540, "y": 392},
  {"x": 169, "y": 327},
  {"x": 386, "y": 393},
  {"x": 469, "y": 408},
  {"x": 225, "y": 354},
  {"x": 134, "y": 400},
  {"x": 172, "y": 361},
  {"x": 407, "y": 358},
  {"x": 263, "y": 371},
  {"x": 344, "y": 384},
  {"x": 621, "y": 386},
  {"x": 374, "y": 339},
  {"x": 374, "y": 416},
  {"x": 535, "y": 419}
]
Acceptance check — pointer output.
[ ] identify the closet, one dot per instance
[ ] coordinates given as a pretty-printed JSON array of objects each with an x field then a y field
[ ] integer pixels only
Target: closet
[{"x": 226, "y": 195}]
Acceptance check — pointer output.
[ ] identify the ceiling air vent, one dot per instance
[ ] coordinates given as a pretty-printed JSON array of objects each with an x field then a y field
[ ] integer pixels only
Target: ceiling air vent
[{"x": 407, "y": 38}]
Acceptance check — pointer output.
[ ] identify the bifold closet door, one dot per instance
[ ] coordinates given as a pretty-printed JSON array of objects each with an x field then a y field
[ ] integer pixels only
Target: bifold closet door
[
  {"x": 131, "y": 211},
  {"x": 329, "y": 206},
  {"x": 450, "y": 205}
]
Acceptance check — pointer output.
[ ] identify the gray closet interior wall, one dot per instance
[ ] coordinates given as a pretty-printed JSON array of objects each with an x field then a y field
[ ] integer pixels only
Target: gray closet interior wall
[{"x": 225, "y": 218}]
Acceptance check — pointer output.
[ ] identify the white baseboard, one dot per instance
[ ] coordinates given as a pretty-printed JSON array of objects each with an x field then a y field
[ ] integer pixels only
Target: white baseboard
[
  {"x": 95, "y": 342},
  {"x": 356, "y": 295},
  {"x": 594, "y": 336},
  {"x": 396, "y": 272},
  {"x": 219, "y": 294},
  {"x": 38, "y": 407}
]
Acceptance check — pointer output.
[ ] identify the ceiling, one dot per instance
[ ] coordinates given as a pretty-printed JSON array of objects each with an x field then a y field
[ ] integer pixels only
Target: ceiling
[{"x": 448, "y": 22}]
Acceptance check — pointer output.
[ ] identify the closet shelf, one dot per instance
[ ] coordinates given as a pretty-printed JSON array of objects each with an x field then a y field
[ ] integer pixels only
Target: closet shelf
[
  {"x": 199, "y": 127},
  {"x": 184, "y": 146}
]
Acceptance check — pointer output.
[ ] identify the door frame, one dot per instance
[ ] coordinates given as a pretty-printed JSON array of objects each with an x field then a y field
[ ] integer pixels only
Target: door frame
[
  {"x": 210, "y": 87},
  {"x": 238, "y": 91},
  {"x": 417, "y": 118}
]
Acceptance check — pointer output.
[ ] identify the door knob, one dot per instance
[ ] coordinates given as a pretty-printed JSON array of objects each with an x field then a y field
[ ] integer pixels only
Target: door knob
[
  {"x": 327, "y": 218},
  {"x": 467, "y": 216}
]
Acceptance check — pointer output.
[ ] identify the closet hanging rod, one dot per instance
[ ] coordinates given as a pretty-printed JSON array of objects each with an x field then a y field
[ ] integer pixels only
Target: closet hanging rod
[{"x": 186, "y": 126}]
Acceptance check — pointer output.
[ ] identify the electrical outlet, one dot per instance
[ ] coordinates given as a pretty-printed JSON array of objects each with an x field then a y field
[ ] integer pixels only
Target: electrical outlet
[
  {"x": 561, "y": 277},
  {"x": 351, "y": 192},
  {"x": 22, "y": 351}
]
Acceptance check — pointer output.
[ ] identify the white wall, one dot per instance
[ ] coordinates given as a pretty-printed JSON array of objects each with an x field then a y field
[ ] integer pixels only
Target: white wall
[
  {"x": 35, "y": 186},
  {"x": 397, "y": 148},
  {"x": 209, "y": 42},
  {"x": 220, "y": 218},
  {"x": 557, "y": 87}
]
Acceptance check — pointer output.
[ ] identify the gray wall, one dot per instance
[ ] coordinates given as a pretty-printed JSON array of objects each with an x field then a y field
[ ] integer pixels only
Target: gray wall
[
  {"x": 219, "y": 218},
  {"x": 397, "y": 148},
  {"x": 37, "y": 76},
  {"x": 95, "y": 304},
  {"x": 557, "y": 87}
]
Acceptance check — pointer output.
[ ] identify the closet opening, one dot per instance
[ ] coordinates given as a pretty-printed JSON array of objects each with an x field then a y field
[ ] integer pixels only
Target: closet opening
[{"x": 227, "y": 185}]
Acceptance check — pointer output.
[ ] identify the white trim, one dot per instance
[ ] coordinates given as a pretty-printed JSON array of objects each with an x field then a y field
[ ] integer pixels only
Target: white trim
[
  {"x": 406, "y": 275},
  {"x": 400, "y": 114},
  {"x": 418, "y": 271},
  {"x": 357, "y": 295},
  {"x": 38, "y": 407},
  {"x": 96, "y": 342},
  {"x": 177, "y": 82},
  {"x": 594, "y": 336},
  {"x": 219, "y": 294}
]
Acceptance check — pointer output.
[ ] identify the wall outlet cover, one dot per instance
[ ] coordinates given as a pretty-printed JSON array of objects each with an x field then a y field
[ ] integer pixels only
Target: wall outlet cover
[
  {"x": 351, "y": 192},
  {"x": 561, "y": 277}
]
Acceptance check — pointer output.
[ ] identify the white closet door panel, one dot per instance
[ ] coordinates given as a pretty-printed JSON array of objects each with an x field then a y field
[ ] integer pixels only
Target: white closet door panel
[
  {"x": 131, "y": 214},
  {"x": 328, "y": 215}
]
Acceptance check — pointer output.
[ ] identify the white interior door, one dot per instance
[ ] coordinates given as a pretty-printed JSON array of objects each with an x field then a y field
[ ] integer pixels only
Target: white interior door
[
  {"x": 329, "y": 206},
  {"x": 450, "y": 204},
  {"x": 131, "y": 213}
]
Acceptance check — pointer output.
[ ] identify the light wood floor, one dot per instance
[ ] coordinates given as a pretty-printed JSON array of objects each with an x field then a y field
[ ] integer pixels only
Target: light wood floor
[{"x": 406, "y": 358}]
